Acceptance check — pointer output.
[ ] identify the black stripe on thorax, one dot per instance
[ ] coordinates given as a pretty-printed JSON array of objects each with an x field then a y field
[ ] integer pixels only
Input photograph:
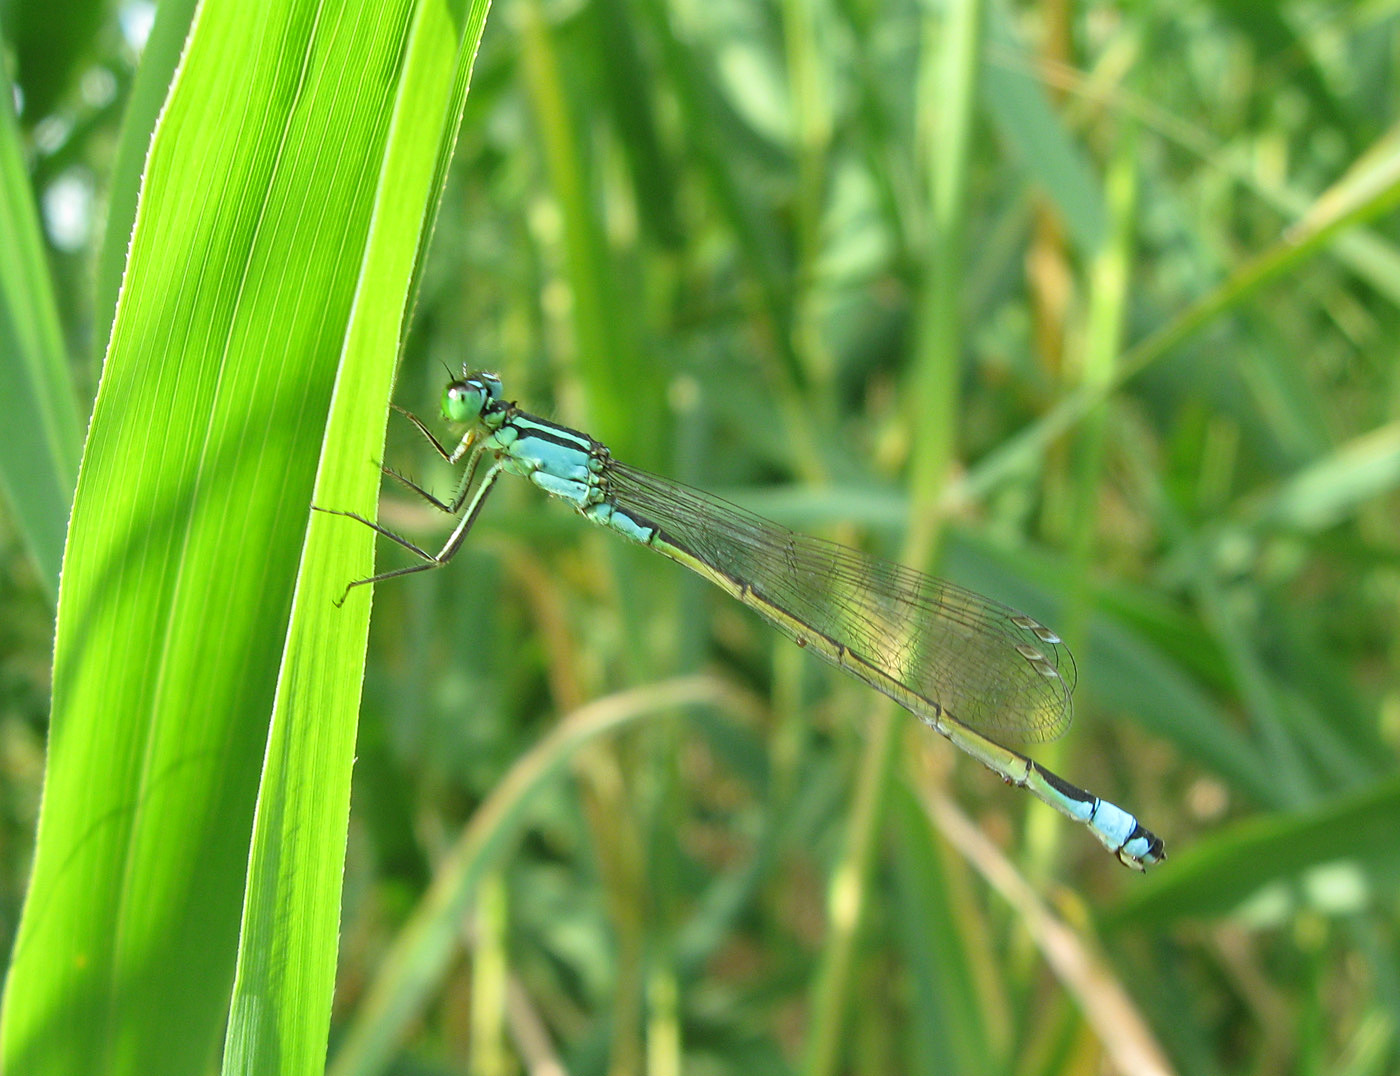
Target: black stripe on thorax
[{"x": 526, "y": 425}]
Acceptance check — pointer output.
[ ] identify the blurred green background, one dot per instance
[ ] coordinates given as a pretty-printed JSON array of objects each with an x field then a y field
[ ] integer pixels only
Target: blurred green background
[{"x": 1092, "y": 308}]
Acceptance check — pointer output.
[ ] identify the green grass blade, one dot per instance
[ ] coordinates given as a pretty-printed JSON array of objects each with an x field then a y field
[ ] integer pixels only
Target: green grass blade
[
  {"x": 1085, "y": 975},
  {"x": 623, "y": 392},
  {"x": 158, "y": 60},
  {"x": 932, "y": 918},
  {"x": 39, "y": 460},
  {"x": 953, "y": 67},
  {"x": 249, "y": 278},
  {"x": 287, "y": 952},
  {"x": 1021, "y": 107},
  {"x": 1370, "y": 191},
  {"x": 426, "y": 944},
  {"x": 1332, "y": 488}
]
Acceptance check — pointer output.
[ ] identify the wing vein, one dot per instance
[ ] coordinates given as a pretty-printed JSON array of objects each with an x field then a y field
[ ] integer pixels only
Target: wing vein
[{"x": 988, "y": 666}]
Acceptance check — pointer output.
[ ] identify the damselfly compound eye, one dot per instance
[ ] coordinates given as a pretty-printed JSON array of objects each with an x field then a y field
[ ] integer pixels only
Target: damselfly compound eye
[{"x": 462, "y": 401}]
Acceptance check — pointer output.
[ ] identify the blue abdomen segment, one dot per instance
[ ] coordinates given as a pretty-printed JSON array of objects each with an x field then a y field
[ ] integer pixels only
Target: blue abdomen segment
[
  {"x": 1117, "y": 830},
  {"x": 608, "y": 514}
]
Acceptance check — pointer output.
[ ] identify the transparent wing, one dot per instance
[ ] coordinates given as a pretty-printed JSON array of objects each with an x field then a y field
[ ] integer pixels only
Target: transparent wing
[{"x": 988, "y": 666}]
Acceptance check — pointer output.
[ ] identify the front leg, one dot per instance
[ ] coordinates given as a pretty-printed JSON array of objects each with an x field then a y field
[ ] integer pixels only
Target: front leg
[
  {"x": 430, "y": 560},
  {"x": 452, "y": 456},
  {"x": 459, "y": 496}
]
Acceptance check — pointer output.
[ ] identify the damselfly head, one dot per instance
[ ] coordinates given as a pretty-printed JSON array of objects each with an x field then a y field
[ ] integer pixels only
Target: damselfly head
[{"x": 469, "y": 399}]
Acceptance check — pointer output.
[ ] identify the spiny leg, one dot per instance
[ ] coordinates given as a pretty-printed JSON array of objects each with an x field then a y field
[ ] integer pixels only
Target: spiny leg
[
  {"x": 430, "y": 561},
  {"x": 377, "y": 528},
  {"x": 459, "y": 497},
  {"x": 450, "y": 455},
  {"x": 451, "y": 508}
]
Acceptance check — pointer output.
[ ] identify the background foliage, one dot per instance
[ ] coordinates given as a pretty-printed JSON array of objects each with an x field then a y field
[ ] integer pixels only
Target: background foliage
[{"x": 1092, "y": 309}]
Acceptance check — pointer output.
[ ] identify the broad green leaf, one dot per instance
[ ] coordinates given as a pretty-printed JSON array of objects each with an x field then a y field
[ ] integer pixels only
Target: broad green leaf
[
  {"x": 158, "y": 60},
  {"x": 291, "y": 918},
  {"x": 288, "y": 185},
  {"x": 39, "y": 459}
]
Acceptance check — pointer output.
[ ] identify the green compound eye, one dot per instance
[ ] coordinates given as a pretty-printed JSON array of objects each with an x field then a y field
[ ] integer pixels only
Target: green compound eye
[
  {"x": 466, "y": 400},
  {"x": 462, "y": 401}
]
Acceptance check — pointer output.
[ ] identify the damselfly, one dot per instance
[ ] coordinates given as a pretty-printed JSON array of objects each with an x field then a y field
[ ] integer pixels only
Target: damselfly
[{"x": 970, "y": 668}]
